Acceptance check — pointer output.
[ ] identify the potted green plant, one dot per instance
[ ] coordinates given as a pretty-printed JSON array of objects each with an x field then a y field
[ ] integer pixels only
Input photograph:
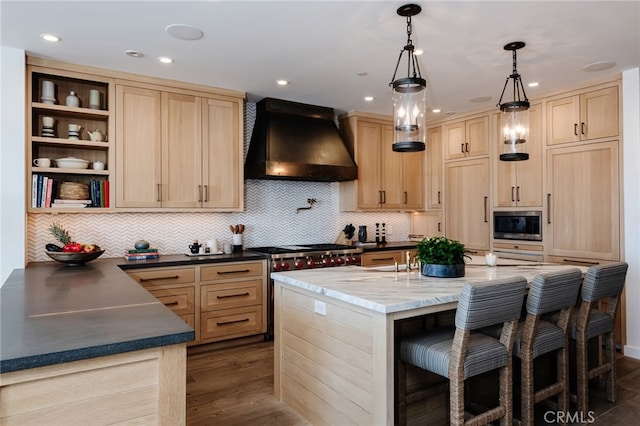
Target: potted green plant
[{"x": 441, "y": 257}]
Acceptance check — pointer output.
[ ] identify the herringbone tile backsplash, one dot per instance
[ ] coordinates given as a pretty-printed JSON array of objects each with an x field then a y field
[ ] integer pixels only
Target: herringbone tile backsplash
[{"x": 270, "y": 218}]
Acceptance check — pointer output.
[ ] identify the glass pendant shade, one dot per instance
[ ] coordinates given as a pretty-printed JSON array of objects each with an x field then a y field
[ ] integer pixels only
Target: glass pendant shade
[
  {"x": 409, "y": 104},
  {"x": 515, "y": 133}
]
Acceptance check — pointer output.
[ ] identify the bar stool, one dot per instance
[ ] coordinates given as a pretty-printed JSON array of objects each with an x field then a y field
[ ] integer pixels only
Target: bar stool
[
  {"x": 552, "y": 294},
  {"x": 600, "y": 283},
  {"x": 458, "y": 354}
]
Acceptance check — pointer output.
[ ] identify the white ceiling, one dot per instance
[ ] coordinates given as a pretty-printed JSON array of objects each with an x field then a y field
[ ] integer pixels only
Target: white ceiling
[{"x": 321, "y": 46}]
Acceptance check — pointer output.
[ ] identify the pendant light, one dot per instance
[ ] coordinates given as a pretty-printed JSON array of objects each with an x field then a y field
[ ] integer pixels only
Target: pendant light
[
  {"x": 515, "y": 114},
  {"x": 409, "y": 95}
]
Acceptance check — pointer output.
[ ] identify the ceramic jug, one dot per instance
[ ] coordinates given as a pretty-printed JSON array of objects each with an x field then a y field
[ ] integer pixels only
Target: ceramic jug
[{"x": 97, "y": 136}]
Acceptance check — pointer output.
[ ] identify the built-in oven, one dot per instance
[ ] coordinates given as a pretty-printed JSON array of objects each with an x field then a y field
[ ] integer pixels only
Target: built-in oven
[{"x": 517, "y": 225}]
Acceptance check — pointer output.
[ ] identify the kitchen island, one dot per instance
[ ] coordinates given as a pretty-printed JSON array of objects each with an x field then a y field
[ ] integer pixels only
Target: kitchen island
[
  {"x": 335, "y": 333},
  {"x": 88, "y": 345}
]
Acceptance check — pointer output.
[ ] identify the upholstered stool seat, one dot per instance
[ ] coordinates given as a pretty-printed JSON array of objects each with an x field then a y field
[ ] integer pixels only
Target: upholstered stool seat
[{"x": 461, "y": 353}]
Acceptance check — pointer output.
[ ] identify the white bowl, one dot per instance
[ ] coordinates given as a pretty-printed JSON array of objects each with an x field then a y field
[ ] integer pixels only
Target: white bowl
[{"x": 72, "y": 163}]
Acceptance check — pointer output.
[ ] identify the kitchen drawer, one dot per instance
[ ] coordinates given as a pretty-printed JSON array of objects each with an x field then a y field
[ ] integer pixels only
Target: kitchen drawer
[
  {"x": 231, "y": 271},
  {"x": 229, "y": 323},
  {"x": 231, "y": 295},
  {"x": 164, "y": 276},
  {"x": 383, "y": 258},
  {"x": 180, "y": 300},
  {"x": 518, "y": 246}
]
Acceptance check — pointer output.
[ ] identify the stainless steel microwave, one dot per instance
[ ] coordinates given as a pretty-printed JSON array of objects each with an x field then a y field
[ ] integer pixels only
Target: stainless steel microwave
[{"x": 517, "y": 225}]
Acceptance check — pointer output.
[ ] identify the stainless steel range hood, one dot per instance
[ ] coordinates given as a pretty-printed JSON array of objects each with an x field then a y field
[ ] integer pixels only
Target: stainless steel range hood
[{"x": 294, "y": 141}]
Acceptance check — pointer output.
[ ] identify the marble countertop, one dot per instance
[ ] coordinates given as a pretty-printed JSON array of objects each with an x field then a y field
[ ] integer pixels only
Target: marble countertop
[{"x": 383, "y": 290}]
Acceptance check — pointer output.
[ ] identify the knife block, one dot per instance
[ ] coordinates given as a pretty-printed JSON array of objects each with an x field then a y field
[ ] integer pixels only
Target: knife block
[{"x": 342, "y": 239}]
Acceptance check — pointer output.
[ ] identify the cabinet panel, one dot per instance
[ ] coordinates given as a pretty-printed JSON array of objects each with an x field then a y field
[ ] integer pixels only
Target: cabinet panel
[
  {"x": 181, "y": 150},
  {"x": 138, "y": 147},
  {"x": 583, "y": 201},
  {"x": 159, "y": 277},
  {"x": 230, "y": 295},
  {"x": 563, "y": 116},
  {"x": 390, "y": 177},
  {"x": 382, "y": 258},
  {"x": 428, "y": 223},
  {"x": 434, "y": 168},
  {"x": 229, "y": 323},
  {"x": 412, "y": 180},
  {"x": 467, "y": 202},
  {"x": 180, "y": 299},
  {"x": 468, "y": 138},
  {"x": 454, "y": 136},
  {"x": 222, "y": 155},
  {"x": 369, "y": 158},
  {"x": 227, "y": 271}
]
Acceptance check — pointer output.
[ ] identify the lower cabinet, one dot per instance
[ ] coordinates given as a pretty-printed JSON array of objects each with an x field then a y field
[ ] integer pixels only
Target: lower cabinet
[
  {"x": 386, "y": 257},
  {"x": 220, "y": 301}
]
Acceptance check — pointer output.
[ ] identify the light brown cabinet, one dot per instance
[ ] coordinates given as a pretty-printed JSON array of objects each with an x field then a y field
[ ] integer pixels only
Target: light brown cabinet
[
  {"x": 387, "y": 180},
  {"x": 434, "y": 168},
  {"x": 185, "y": 151},
  {"x": 468, "y": 138},
  {"x": 386, "y": 257},
  {"x": 467, "y": 202},
  {"x": 519, "y": 183},
  {"x": 583, "y": 204},
  {"x": 220, "y": 301},
  {"x": 427, "y": 223},
  {"x": 56, "y": 141},
  {"x": 583, "y": 116}
]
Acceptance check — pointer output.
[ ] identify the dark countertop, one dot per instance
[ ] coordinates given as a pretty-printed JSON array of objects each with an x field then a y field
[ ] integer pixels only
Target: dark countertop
[
  {"x": 51, "y": 313},
  {"x": 394, "y": 245}
]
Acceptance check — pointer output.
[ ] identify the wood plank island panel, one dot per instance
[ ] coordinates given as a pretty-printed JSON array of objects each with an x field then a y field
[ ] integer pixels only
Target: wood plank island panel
[
  {"x": 141, "y": 387},
  {"x": 334, "y": 365}
]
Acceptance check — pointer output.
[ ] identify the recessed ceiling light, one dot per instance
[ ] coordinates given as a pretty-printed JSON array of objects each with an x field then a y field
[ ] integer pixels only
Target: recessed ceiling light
[
  {"x": 478, "y": 99},
  {"x": 184, "y": 32},
  {"x": 134, "y": 53},
  {"x": 282, "y": 82},
  {"x": 599, "y": 66},
  {"x": 165, "y": 59},
  {"x": 418, "y": 52},
  {"x": 533, "y": 84},
  {"x": 368, "y": 98},
  {"x": 50, "y": 37},
  {"x": 435, "y": 110}
]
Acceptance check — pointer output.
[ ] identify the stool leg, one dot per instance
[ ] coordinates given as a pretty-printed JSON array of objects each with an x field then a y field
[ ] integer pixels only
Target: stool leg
[
  {"x": 527, "y": 390},
  {"x": 456, "y": 400},
  {"x": 401, "y": 391},
  {"x": 563, "y": 378},
  {"x": 610, "y": 358},
  {"x": 506, "y": 393},
  {"x": 582, "y": 372}
]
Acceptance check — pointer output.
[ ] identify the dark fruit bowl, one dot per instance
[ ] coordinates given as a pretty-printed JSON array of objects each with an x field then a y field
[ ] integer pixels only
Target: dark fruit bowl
[{"x": 73, "y": 258}]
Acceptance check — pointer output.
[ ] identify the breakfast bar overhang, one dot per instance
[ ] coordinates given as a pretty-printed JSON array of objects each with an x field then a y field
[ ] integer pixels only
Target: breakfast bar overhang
[{"x": 335, "y": 333}]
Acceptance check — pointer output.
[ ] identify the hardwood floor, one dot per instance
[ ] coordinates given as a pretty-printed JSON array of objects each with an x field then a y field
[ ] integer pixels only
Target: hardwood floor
[{"x": 234, "y": 386}]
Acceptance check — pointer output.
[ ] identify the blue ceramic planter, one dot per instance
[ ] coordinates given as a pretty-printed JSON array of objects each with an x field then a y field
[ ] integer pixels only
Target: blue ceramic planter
[{"x": 442, "y": 271}]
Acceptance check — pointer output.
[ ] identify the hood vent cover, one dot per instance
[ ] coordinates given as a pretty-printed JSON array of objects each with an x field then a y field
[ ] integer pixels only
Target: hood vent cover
[{"x": 294, "y": 141}]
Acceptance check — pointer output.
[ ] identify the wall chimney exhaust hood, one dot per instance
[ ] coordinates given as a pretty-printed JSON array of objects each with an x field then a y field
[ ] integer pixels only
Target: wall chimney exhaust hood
[{"x": 294, "y": 141}]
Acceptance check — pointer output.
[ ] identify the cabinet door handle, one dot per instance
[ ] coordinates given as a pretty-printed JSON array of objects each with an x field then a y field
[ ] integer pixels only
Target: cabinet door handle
[
  {"x": 238, "y": 271},
  {"x": 575, "y": 129},
  {"x": 512, "y": 197},
  {"x": 466, "y": 147},
  {"x": 582, "y": 127},
  {"x": 439, "y": 224},
  {"x": 462, "y": 148},
  {"x": 172, "y": 277},
  {"x": 246, "y": 293},
  {"x": 486, "y": 220},
  {"x": 384, "y": 197},
  {"x": 199, "y": 193},
  {"x": 232, "y": 322},
  {"x": 517, "y": 193},
  {"x": 548, "y": 208},
  {"x": 405, "y": 198},
  {"x": 439, "y": 202},
  {"x": 175, "y": 302},
  {"x": 379, "y": 197},
  {"x": 158, "y": 192},
  {"x": 580, "y": 262},
  {"x": 206, "y": 193}
]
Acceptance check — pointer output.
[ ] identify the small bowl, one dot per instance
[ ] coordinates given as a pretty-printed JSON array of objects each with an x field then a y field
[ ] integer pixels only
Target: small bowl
[
  {"x": 74, "y": 258},
  {"x": 72, "y": 163}
]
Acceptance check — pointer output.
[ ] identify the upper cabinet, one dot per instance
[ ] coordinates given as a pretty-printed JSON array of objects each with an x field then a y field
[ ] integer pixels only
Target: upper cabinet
[
  {"x": 434, "y": 168},
  {"x": 519, "y": 183},
  {"x": 583, "y": 116},
  {"x": 468, "y": 138},
  {"x": 387, "y": 180},
  {"x": 68, "y": 117},
  {"x": 184, "y": 153}
]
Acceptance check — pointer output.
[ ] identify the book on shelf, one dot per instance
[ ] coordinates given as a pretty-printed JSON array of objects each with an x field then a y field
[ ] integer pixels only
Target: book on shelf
[
  {"x": 49, "y": 195},
  {"x": 101, "y": 192},
  {"x": 68, "y": 206},
  {"x": 39, "y": 191},
  {"x": 34, "y": 190},
  {"x": 139, "y": 251},
  {"x": 61, "y": 201},
  {"x": 141, "y": 256},
  {"x": 106, "y": 193}
]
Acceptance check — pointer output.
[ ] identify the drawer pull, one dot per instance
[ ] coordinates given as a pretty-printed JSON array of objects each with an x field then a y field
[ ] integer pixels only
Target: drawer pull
[
  {"x": 232, "y": 322},
  {"x": 246, "y": 293},
  {"x": 175, "y": 302},
  {"x": 172, "y": 277},
  {"x": 382, "y": 258},
  {"x": 580, "y": 262},
  {"x": 239, "y": 271}
]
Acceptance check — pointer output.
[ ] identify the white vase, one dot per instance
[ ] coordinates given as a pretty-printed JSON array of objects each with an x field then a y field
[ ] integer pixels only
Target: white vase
[{"x": 72, "y": 100}]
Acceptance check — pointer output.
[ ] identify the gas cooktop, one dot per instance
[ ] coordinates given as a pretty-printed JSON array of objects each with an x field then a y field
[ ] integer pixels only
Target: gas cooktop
[{"x": 303, "y": 248}]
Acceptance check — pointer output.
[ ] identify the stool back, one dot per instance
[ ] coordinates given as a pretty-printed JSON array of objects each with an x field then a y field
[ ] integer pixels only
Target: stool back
[
  {"x": 553, "y": 291},
  {"x": 604, "y": 281}
]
